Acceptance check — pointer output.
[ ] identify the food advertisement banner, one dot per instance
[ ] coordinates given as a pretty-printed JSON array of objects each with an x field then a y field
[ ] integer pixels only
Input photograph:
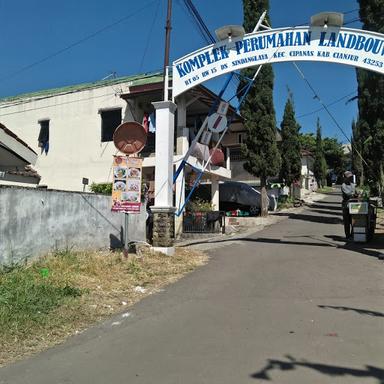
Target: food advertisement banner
[{"x": 126, "y": 187}]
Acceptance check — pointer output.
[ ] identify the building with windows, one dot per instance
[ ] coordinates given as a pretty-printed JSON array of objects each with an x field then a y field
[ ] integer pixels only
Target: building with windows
[{"x": 71, "y": 129}]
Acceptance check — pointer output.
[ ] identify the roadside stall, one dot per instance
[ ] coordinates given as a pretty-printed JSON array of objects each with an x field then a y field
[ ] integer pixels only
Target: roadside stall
[{"x": 363, "y": 217}]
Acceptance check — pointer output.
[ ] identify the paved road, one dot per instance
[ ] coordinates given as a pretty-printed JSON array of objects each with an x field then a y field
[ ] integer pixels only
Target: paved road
[{"x": 290, "y": 304}]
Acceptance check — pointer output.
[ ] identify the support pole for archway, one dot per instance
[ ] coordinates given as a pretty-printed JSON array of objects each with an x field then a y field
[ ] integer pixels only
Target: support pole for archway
[{"x": 163, "y": 210}]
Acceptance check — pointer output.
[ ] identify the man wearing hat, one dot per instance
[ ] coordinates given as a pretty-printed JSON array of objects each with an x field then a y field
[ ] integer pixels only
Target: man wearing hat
[{"x": 348, "y": 189}]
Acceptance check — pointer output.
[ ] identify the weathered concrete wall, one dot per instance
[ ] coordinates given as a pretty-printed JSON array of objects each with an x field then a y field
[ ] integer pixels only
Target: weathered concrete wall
[{"x": 37, "y": 221}]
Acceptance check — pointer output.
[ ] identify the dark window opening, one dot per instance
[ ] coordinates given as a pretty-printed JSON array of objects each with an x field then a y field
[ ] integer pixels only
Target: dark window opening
[
  {"x": 110, "y": 120},
  {"x": 150, "y": 145},
  {"x": 43, "y": 139}
]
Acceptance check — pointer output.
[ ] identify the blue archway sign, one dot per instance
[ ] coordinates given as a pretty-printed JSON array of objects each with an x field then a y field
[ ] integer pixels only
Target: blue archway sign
[{"x": 354, "y": 47}]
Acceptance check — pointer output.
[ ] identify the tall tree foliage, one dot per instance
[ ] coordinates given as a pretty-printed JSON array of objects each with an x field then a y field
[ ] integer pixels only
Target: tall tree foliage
[
  {"x": 308, "y": 142},
  {"x": 319, "y": 165},
  {"x": 260, "y": 147},
  {"x": 357, "y": 150},
  {"x": 371, "y": 103},
  {"x": 290, "y": 144},
  {"x": 334, "y": 155}
]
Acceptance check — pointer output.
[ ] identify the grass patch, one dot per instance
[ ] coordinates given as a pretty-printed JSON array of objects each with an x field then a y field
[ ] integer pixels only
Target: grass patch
[
  {"x": 325, "y": 190},
  {"x": 285, "y": 203},
  {"x": 43, "y": 303},
  {"x": 26, "y": 298}
]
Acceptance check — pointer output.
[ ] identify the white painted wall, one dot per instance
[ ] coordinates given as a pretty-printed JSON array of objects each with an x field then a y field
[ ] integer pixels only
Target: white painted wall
[
  {"x": 76, "y": 150},
  {"x": 75, "y": 144},
  {"x": 307, "y": 165}
]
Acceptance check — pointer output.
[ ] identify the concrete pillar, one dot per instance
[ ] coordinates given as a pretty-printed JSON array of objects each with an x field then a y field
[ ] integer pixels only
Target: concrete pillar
[
  {"x": 182, "y": 145},
  {"x": 163, "y": 229},
  {"x": 215, "y": 193},
  {"x": 228, "y": 162},
  {"x": 163, "y": 210}
]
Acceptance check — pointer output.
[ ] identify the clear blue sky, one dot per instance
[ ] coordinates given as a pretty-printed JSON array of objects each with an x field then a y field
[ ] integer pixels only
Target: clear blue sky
[{"x": 33, "y": 30}]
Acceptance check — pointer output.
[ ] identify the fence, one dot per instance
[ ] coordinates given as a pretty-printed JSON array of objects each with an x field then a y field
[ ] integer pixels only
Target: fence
[
  {"x": 204, "y": 222},
  {"x": 236, "y": 154}
]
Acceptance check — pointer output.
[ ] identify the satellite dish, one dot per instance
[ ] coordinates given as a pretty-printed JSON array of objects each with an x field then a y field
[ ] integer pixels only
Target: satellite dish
[{"x": 130, "y": 137}]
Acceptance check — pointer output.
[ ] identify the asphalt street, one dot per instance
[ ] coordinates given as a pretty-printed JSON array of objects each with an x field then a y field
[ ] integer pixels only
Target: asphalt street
[{"x": 293, "y": 303}]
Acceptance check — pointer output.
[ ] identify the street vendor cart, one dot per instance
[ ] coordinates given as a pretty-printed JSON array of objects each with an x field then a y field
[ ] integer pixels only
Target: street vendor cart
[{"x": 363, "y": 218}]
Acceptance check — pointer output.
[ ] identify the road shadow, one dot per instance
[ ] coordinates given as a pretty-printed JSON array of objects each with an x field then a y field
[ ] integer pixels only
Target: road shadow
[
  {"x": 348, "y": 245},
  {"x": 370, "y": 248},
  {"x": 337, "y": 192},
  {"x": 327, "y": 207},
  {"x": 311, "y": 218},
  {"x": 317, "y": 213},
  {"x": 368, "y": 371},
  {"x": 326, "y": 212},
  {"x": 364, "y": 312},
  {"x": 262, "y": 240},
  {"x": 322, "y": 202}
]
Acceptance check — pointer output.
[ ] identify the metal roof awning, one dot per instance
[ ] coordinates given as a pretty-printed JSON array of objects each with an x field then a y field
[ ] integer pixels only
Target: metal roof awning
[{"x": 15, "y": 159}]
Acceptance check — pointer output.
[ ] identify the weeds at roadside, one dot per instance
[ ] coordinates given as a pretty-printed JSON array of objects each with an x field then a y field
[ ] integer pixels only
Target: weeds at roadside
[
  {"x": 43, "y": 303},
  {"x": 286, "y": 203}
]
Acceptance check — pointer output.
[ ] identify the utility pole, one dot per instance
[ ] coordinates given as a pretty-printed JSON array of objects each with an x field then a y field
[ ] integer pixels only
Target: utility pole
[
  {"x": 163, "y": 210},
  {"x": 166, "y": 53}
]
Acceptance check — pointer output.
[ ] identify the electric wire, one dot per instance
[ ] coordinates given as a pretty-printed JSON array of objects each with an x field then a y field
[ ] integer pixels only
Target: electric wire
[
  {"x": 195, "y": 13},
  {"x": 210, "y": 39},
  {"x": 76, "y": 43},
  {"x": 325, "y": 107},
  {"x": 207, "y": 36},
  {"x": 352, "y": 21},
  {"x": 19, "y": 100},
  {"x": 351, "y": 11},
  {"x": 328, "y": 105},
  {"x": 149, "y": 35},
  {"x": 187, "y": 13},
  {"x": 316, "y": 96}
]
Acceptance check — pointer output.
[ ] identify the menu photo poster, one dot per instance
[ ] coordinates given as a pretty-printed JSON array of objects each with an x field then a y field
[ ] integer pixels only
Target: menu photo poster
[{"x": 126, "y": 187}]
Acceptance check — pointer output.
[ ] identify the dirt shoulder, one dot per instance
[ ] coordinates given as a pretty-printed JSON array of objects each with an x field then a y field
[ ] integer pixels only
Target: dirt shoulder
[{"x": 44, "y": 303}]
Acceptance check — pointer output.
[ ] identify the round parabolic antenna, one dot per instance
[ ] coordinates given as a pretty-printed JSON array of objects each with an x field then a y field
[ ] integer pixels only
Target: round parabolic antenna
[{"x": 130, "y": 137}]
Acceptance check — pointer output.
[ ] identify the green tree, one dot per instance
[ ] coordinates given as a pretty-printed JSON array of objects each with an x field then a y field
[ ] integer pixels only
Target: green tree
[
  {"x": 334, "y": 155},
  {"x": 308, "y": 142},
  {"x": 357, "y": 149},
  {"x": 319, "y": 165},
  {"x": 260, "y": 147},
  {"x": 290, "y": 144},
  {"x": 371, "y": 104}
]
